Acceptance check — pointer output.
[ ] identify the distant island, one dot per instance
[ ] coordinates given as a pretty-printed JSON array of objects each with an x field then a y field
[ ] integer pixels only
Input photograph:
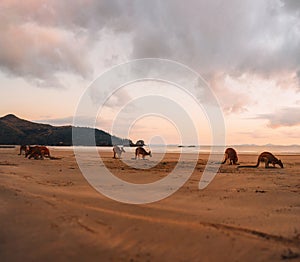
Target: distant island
[{"x": 16, "y": 131}]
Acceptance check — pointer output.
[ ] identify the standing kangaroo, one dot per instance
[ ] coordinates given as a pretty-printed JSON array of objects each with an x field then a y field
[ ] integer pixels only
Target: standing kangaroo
[
  {"x": 231, "y": 154},
  {"x": 143, "y": 152},
  {"x": 267, "y": 158},
  {"x": 118, "y": 151}
]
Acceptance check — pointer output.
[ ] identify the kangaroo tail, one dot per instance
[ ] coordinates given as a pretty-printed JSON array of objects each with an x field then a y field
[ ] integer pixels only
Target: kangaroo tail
[
  {"x": 55, "y": 158},
  {"x": 257, "y": 164}
]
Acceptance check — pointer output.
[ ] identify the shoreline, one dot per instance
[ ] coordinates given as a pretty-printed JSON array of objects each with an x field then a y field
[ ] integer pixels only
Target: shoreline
[{"x": 160, "y": 151}]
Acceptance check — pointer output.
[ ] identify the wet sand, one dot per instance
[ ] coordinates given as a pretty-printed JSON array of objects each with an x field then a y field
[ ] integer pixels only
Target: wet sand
[{"x": 49, "y": 212}]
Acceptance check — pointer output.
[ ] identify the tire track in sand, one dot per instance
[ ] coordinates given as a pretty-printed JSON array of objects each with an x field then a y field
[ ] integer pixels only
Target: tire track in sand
[{"x": 171, "y": 221}]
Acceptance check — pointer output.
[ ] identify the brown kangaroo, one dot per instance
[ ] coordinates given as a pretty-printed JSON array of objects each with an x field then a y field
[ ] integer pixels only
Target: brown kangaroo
[
  {"x": 231, "y": 154},
  {"x": 143, "y": 152},
  {"x": 118, "y": 151},
  {"x": 267, "y": 158},
  {"x": 37, "y": 152}
]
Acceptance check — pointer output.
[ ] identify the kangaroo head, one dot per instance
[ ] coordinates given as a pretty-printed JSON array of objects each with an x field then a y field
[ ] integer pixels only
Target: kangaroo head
[
  {"x": 28, "y": 151},
  {"x": 280, "y": 163}
]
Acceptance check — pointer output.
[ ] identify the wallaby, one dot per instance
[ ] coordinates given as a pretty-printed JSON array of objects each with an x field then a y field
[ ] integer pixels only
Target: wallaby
[
  {"x": 37, "y": 152},
  {"x": 231, "y": 154},
  {"x": 118, "y": 151},
  {"x": 267, "y": 158},
  {"x": 143, "y": 152}
]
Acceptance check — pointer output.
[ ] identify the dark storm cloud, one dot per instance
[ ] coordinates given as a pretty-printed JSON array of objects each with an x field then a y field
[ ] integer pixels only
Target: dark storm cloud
[
  {"x": 39, "y": 40},
  {"x": 292, "y": 6},
  {"x": 235, "y": 36}
]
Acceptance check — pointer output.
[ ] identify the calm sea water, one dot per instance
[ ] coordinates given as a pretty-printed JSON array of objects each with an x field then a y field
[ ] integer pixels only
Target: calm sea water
[{"x": 241, "y": 149}]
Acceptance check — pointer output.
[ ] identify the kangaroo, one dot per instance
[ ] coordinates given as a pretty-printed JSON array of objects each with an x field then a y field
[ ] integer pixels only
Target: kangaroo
[
  {"x": 143, "y": 152},
  {"x": 23, "y": 148},
  {"x": 37, "y": 152},
  {"x": 267, "y": 158},
  {"x": 118, "y": 151},
  {"x": 231, "y": 154}
]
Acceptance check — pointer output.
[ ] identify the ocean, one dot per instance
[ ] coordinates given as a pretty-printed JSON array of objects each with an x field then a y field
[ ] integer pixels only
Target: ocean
[{"x": 241, "y": 149}]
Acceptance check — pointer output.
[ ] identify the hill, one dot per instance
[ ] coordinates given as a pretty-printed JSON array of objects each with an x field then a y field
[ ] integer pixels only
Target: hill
[{"x": 16, "y": 131}]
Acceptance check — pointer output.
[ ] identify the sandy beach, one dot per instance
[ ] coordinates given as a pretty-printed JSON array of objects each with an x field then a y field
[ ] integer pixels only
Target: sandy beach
[{"x": 49, "y": 212}]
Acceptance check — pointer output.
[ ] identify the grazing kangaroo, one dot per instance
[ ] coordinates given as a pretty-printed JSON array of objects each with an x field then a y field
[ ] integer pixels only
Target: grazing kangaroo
[
  {"x": 267, "y": 158},
  {"x": 118, "y": 151},
  {"x": 231, "y": 154},
  {"x": 23, "y": 148},
  {"x": 143, "y": 152},
  {"x": 37, "y": 152}
]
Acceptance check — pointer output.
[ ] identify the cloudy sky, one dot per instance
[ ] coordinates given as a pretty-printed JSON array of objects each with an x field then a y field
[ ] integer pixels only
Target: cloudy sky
[{"x": 248, "y": 52}]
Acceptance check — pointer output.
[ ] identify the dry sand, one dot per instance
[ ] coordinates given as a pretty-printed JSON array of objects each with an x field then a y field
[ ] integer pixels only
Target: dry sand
[{"x": 49, "y": 212}]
